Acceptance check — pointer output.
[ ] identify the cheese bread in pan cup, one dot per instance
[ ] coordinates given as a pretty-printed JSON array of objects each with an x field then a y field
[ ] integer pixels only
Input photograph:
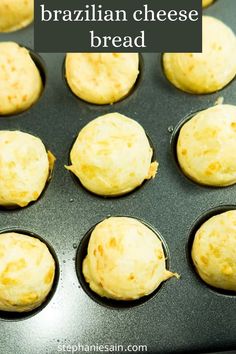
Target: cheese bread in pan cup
[
  {"x": 20, "y": 81},
  {"x": 125, "y": 260},
  {"x": 209, "y": 71},
  {"x": 101, "y": 78},
  {"x": 112, "y": 156},
  {"x": 25, "y": 167},
  {"x": 27, "y": 271},
  {"x": 206, "y": 146},
  {"x": 15, "y": 14},
  {"x": 206, "y": 3},
  {"x": 213, "y": 251}
]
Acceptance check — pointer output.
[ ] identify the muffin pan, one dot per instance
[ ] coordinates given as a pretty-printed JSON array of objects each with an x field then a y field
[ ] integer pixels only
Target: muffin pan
[{"x": 183, "y": 315}]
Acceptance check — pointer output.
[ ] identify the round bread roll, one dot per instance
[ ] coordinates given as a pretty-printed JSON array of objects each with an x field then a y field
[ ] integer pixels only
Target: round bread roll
[
  {"x": 15, "y": 14},
  {"x": 125, "y": 260},
  {"x": 101, "y": 78},
  {"x": 24, "y": 168},
  {"x": 206, "y": 146},
  {"x": 209, "y": 71},
  {"x": 206, "y": 3},
  {"x": 213, "y": 251},
  {"x": 20, "y": 80},
  {"x": 112, "y": 155},
  {"x": 27, "y": 271}
]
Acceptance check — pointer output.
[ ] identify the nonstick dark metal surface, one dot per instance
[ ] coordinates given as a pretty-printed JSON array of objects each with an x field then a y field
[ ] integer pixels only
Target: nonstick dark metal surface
[{"x": 184, "y": 315}]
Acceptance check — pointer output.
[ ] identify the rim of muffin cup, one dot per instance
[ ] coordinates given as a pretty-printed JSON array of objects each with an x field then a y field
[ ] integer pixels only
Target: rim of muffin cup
[
  {"x": 19, "y": 316},
  {"x": 42, "y": 68},
  {"x": 204, "y": 216},
  {"x": 78, "y": 183},
  {"x": 173, "y": 147},
  {"x": 131, "y": 92},
  {"x": 81, "y": 253},
  {"x": 17, "y": 208}
]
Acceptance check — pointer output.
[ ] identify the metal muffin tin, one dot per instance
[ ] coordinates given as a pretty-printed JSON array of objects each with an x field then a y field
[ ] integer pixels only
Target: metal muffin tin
[{"x": 183, "y": 315}]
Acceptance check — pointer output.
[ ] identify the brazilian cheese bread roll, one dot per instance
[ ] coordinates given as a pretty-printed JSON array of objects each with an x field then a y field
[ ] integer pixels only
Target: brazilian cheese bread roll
[
  {"x": 27, "y": 271},
  {"x": 25, "y": 167},
  {"x": 112, "y": 155},
  {"x": 101, "y": 78},
  {"x": 125, "y": 260},
  {"x": 206, "y": 146},
  {"x": 213, "y": 251},
  {"x": 209, "y": 71},
  {"x": 207, "y": 2},
  {"x": 15, "y": 14},
  {"x": 20, "y": 81}
]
